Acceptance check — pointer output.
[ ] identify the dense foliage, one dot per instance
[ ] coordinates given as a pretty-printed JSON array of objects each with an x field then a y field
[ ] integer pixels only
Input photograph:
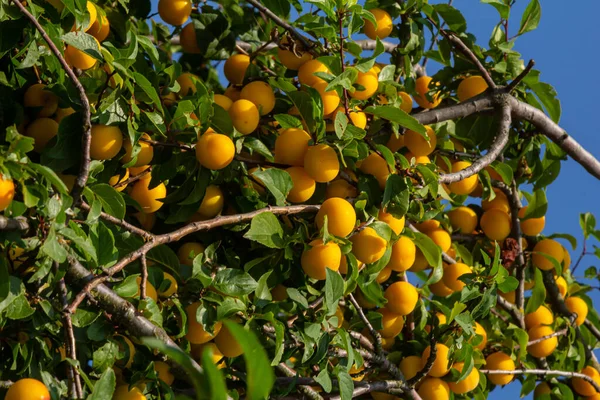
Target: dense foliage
[{"x": 333, "y": 223}]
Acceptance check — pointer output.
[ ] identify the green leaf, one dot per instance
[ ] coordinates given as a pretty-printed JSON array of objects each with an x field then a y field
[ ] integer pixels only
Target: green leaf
[
  {"x": 306, "y": 107},
  {"x": 128, "y": 287},
  {"x": 181, "y": 358},
  {"x": 538, "y": 293},
  {"x": 340, "y": 124},
  {"x": 111, "y": 199},
  {"x": 221, "y": 121},
  {"x": 53, "y": 249},
  {"x": 19, "y": 308},
  {"x": 83, "y": 42},
  {"x": 296, "y": 296},
  {"x": 395, "y": 114},
  {"x": 346, "y": 79},
  {"x": 346, "y": 384},
  {"x": 277, "y": 181},
  {"x": 216, "y": 381},
  {"x": 234, "y": 282},
  {"x": 334, "y": 290},
  {"x": 324, "y": 380},
  {"x": 83, "y": 318},
  {"x": 430, "y": 250},
  {"x": 587, "y": 221},
  {"x": 522, "y": 339},
  {"x": 147, "y": 87},
  {"x": 452, "y": 16},
  {"x": 260, "y": 376},
  {"x": 502, "y": 8},
  {"x": 538, "y": 205},
  {"x": 266, "y": 230},
  {"x": 531, "y": 17},
  {"x": 104, "y": 387}
]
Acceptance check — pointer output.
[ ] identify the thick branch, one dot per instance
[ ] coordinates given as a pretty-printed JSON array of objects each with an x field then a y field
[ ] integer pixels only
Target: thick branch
[
  {"x": 543, "y": 372},
  {"x": 494, "y": 151},
  {"x": 13, "y": 224},
  {"x": 180, "y": 233},
  {"x": 514, "y": 312},
  {"x": 308, "y": 391},
  {"x": 462, "y": 47},
  {"x": 84, "y": 170},
  {"x": 123, "y": 312}
]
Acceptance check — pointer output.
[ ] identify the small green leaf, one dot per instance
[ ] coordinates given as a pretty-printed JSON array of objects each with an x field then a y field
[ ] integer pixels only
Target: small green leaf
[
  {"x": 277, "y": 181},
  {"x": 83, "y": 42},
  {"x": 395, "y": 114},
  {"x": 266, "y": 230},
  {"x": 104, "y": 387},
  {"x": 216, "y": 381},
  {"x": 111, "y": 199},
  {"x": 531, "y": 17},
  {"x": 538, "y": 294},
  {"x": 334, "y": 290},
  {"x": 234, "y": 282},
  {"x": 538, "y": 205}
]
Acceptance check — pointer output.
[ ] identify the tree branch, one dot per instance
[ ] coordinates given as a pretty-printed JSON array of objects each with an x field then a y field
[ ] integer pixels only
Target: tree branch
[
  {"x": 124, "y": 313},
  {"x": 121, "y": 223},
  {"x": 512, "y": 310},
  {"x": 84, "y": 170},
  {"x": 76, "y": 390},
  {"x": 594, "y": 331},
  {"x": 515, "y": 205},
  {"x": 372, "y": 331},
  {"x": 462, "y": 47},
  {"x": 428, "y": 364},
  {"x": 282, "y": 23},
  {"x": 306, "y": 389},
  {"x": 494, "y": 151},
  {"x": 13, "y": 224},
  {"x": 543, "y": 372},
  {"x": 144, "y": 277},
  {"x": 180, "y": 233},
  {"x": 511, "y": 86}
]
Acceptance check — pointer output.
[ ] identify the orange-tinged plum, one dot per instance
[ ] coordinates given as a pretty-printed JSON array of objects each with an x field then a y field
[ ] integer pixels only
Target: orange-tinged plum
[
  {"x": 369, "y": 81},
  {"x": 291, "y": 146},
  {"x": 212, "y": 202},
  {"x": 384, "y": 26},
  {"x": 582, "y": 386},
  {"x": 531, "y": 226},
  {"x": 244, "y": 115},
  {"x": 235, "y": 68},
  {"x": 79, "y": 59},
  {"x": 471, "y": 87},
  {"x": 261, "y": 94},
  {"x": 106, "y": 142},
  {"x": 578, "y": 306},
  {"x": 397, "y": 224},
  {"x": 463, "y": 219},
  {"x": 329, "y": 98},
  {"x": 418, "y": 145},
  {"x": 375, "y": 165},
  {"x": 321, "y": 163},
  {"x": 341, "y": 216},
  {"x": 175, "y": 12},
  {"x": 320, "y": 256},
  {"x": 541, "y": 316},
  {"x": 150, "y": 200},
  {"x": 500, "y": 361},
  {"x": 340, "y": 188},
  {"x": 37, "y": 96},
  {"x": 547, "y": 248},
  {"x": 468, "y": 383},
  {"x": 452, "y": 273},
  {"x": 306, "y": 72},
  {"x": 410, "y": 366},
  {"x": 303, "y": 186},
  {"x": 367, "y": 246},
  {"x": 145, "y": 154},
  {"x": 188, "y": 251},
  {"x": 7, "y": 192},
  {"x": 496, "y": 224},
  {"x": 188, "y": 40},
  {"x": 27, "y": 389},
  {"x": 466, "y": 185},
  {"x": 441, "y": 364},
  {"x": 228, "y": 344},
  {"x": 215, "y": 151},
  {"x": 423, "y": 88},
  {"x": 402, "y": 298},
  {"x": 42, "y": 130},
  {"x": 441, "y": 238},
  {"x": 196, "y": 333},
  {"x": 544, "y": 348}
]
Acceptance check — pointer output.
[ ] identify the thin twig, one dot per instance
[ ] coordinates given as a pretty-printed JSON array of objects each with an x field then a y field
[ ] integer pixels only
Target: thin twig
[
  {"x": 282, "y": 23},
  {"x": 583, "y": 253},
  {"x": 184, "y": 147},
  {"x": 144, "y": 277},
  {"x": 511, "y": 86},
  {"x": 134, "y": 178},
  {"x": 180, "y": 233},
  {"x": 362, "y": 340},
  {"x": 512, "y": 310},
  {"x": 84, "y": 170},
  {"x": 517, "y": 234},
  {"x": 306, "y": 389},
  {"x": 542, "y": 372},
  {"x": 376, "y": 335},
  {"x": 592, "y": 328},
  {"x": 121, "y": 223},
  {"x": 462, "y": 47},
  {"x": 562, "y": 332},
  {"x": 428, "y": 364}
]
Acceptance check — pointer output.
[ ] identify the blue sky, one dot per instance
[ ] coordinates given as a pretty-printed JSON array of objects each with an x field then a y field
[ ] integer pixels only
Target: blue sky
[{"x": 564, "y": 50}]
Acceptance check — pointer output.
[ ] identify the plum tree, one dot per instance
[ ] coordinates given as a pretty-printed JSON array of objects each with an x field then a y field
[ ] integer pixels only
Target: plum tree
[{"x": 325, "y": 218}]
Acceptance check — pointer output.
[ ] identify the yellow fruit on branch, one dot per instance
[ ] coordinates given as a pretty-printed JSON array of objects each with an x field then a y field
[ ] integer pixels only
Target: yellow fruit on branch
[
  {"x": 578, "y": 306},
  {"x": 357, "y": 117},
  {"x": 496, "y": 224},
  {"x": 471, "y": 87},
  {"x": 212, "y": 202},
  {"x": 463, "y": 219},
  {"x": 188, "y": 40},
  {"x": 340, "y": 188},
  {"x": 80, "y": 59},
  {"x": 441, "y": 238},
  {"x": 531, "y": 226},
  {"x": 123, "y": 392},
  {"x": 187, "y": 84},
  {"x": 244, "y": 116},
  {"x": 117, "y": 180},
  {"x": 7, "y": 192},
  {"x": 106, "y": 142},
  {"x": 175, "y": 12},
  {"x": 100, "y": 28},
  {"x": 227, "y": 343},
  {"x": 403, "y": 254},
  {"x": 307, "y": 70},
  {"x": 418, "y": 145},
  {"x": 144, "y": 155},
  {"x": 499, "y": 202},
  {"x": 409, "y": 366},
  {"x": 215, "y": 151},
  {"x": 434, "y": 389},
  {"x": 375, "y": 165},
  {"x": 480, "y": 330},
  {"x": 163, "y": 371},
  {"x": 235, "y": 68},
  {"x": 466, "y": 185},
  {"x": 42, "y": 130},
  {"x": 188, "y": 251},
  {"x": 321, "y": 163},
  {"x": 330, "y": 98},
  {"x": 384, "y": 26},
  {"x": 544, "y": 251},
  {"x": 150, "y": 200},
  {"x": 261, "y": 94},
  {"x": 27, "y": 389},
  {"x": 196, "y": 333},
  {"x": 397, "y": 224},
  {"x": 541, "y": 316},
  {"x": 320, "y": 256},
  {"x": 500, "y": 361},
  {"x": 341, "y": 216},
  {"x": 303, "y": 186},
  {"x": 422, "y": 87},
  {"x": 441, "y": 365},
  {"x": 402, "y": 298},
  {"x": 171, "y": 289},
  {"x": 369, "y": 81},
  {"x": 452, "y": 273},
  {"x": 545, "y": 347},
  {"x": 367, "y": 246},
  {"x": 583, "y": 387},
  {"x": 468, "y": 383},
  {"x": 291, "y": 146},
  {"x": 37, "y": 96},
  {"x": 293, "y": 59},
  {"x": 541, "y": 389}
]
